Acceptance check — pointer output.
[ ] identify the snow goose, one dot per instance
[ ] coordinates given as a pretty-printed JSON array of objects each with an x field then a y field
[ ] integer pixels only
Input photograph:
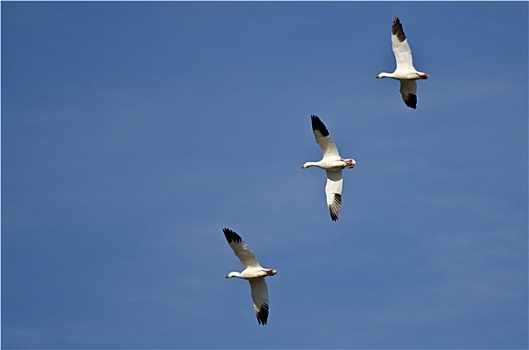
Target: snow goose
[
  {"x": 253, "y": 272},
  {"x": 333, "y": 165},
  {"x": 405, "y": 72}
]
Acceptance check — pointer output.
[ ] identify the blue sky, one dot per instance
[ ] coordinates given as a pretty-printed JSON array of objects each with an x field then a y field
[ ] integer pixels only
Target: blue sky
[{"x": 132, "y": 133}]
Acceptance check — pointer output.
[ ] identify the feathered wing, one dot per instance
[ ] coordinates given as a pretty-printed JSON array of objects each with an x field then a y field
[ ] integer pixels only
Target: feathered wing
[
  {"x": 241, "y": 249},
  {"x": 333, "y": 192},
  {"x": 408, "y": 90},
  {"x": 260, "y": 299},
  {"x": 326, "y": 143},
  {"x": 401, "y": 48}
]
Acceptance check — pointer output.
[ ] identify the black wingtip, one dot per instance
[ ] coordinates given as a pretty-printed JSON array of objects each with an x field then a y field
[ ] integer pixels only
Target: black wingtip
[
  {"x": 317, "y": 124},
  {"x": 334, "y": 208},
  {"x": 396, "y": 29},
  {"x": 262, "y": 315},
  {"x": 411, "y": 101},
  {"x": 231, "y": 236}
]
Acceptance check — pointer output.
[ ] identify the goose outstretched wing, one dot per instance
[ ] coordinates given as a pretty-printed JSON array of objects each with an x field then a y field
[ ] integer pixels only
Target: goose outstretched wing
[
  {"x": 333, "y": 192},
  {"x": 260, "y": 299},
  {"x": 241, "y": 249},
  {"x": 324, "y": 140},
  {"x": 401, "y": 48}
]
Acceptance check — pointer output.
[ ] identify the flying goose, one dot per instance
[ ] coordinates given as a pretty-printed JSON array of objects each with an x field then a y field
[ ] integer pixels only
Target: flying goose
[
  {"x": 253, "y": 272},
  {"x": 333, "y": 165},
  {"x": 405, "y": 72}
]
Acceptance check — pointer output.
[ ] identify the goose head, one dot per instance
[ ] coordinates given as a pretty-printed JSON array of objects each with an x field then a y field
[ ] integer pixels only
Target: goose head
[
  {"x": 383, "y": 75},
  {"x": 233, "y": 274}
]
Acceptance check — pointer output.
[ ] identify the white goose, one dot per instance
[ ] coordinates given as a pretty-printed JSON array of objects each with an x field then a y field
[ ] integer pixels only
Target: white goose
[
  {"x": 405, "y": 72},
  {"x": 333, "y": 165},
  {"x": 253, "y": 272}
]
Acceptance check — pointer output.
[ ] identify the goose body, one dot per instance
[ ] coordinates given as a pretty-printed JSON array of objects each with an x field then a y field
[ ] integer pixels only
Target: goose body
[
  {"x": 405, "y": 72},
  {"x": 332, "y": 163},
  {"x": 253, "y": 272}
]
